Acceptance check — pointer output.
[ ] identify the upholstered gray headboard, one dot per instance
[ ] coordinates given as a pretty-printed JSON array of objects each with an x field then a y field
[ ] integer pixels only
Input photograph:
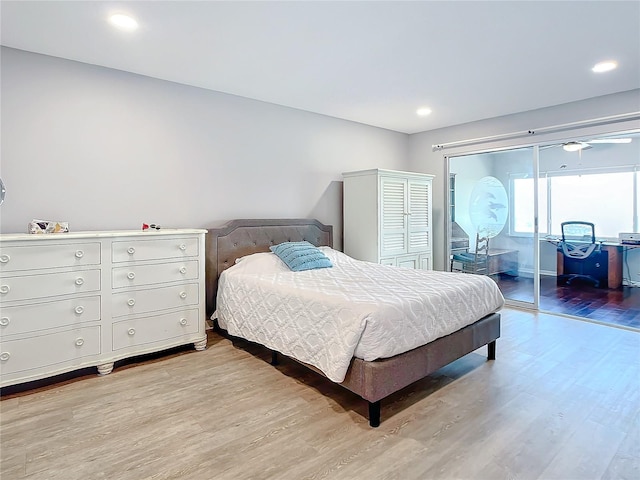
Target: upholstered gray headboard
[{"x": 238, "y": 238}]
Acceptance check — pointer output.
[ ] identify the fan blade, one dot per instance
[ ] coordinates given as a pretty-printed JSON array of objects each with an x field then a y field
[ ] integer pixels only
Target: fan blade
[{"x": 610, "y": 140}]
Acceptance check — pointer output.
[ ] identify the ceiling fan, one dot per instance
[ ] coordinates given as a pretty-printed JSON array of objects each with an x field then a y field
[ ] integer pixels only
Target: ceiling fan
[{"x": 578, "y": 145}]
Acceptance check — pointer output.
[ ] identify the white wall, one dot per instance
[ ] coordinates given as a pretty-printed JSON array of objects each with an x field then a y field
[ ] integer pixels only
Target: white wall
[
  {"x": 105, "y": 149},
  {"x": 422, "y": 158}
]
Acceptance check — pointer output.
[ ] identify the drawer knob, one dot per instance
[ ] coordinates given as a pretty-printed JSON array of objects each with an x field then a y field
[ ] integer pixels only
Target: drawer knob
[
  {"x": 183, "y": 321},
  {"x": 131, "y": 331},
  {"x": 79, "y": 342},
  {"x": 4, "y": 321},
  {"x": 131, "y": 275},
  {"x": 4, "y": 356},
  {"x": 183, "y": 295},
  {"x": 131, "y": 250},
  {"x": 4, "y": 289},
  {"x": 183, "y": 270},
  {"x": 131, "y": 302},
  {"x": 79, "y": 254},
  {"x": 183, "y": 247},
  {"x": 4, "y": 258},
  {"x": 79, "y": 281},
  {"x": 79, "y": 309}
]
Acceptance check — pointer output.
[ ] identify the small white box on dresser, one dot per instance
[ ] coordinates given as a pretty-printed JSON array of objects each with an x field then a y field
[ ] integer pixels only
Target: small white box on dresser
[{"x": 75, "y": 300}]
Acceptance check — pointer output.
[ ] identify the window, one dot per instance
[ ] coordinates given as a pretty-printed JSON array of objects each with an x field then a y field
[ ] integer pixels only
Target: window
[
  {"x": 603, "y": 198},
  {"x": 522, "y": 208}
]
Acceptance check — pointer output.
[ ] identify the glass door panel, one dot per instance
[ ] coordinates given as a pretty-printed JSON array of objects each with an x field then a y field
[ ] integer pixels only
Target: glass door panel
[
  {"x": 493, "y": 194},
  {"x": 595, "y": 181}
]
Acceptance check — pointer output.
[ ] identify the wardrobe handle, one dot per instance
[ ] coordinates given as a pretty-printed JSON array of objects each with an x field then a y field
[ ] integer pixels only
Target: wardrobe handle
[
  {"x": 4, "y": 289},
  {"x": 79, "y": 281},
  {"x": 4, "y": 258},
  {"x": 183, "y": 295},
  {"x": 131, "y": 302},
  {"x": 79, "y": 309},
  {"x": 4, "y": 321},
  {"x": 79, "y": 254},
  {"x": 131, "y": 275},
  {"x": 4, "y": 356},
  {"x": 131, "y": 250},
  {"x": 183, "y": 321},
  {"x": 79, "y": 342},
  {"x": 183, "y": 270},
  {"x": 131, "y": 331}
]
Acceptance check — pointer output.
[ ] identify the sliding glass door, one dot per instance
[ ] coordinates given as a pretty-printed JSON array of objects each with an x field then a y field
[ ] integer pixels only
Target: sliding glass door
[
  {"x": 595, "y": 182},
  {"x": 521, "y": 197},
  {"x": 494, "y": 194}
]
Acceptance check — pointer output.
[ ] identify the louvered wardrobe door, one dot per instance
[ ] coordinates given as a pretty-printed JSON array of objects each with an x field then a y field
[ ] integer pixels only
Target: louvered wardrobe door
[
  {"x": 419, "y": 217},
  {"x": 393, "y": 217}
]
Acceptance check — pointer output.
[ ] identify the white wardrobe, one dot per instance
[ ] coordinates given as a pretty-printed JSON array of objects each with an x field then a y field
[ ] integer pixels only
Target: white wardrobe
[{"x": 387, "y": 217}]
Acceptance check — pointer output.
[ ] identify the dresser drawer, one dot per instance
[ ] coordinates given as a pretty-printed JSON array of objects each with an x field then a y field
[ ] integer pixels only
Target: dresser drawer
[
  {"x": 40, "y": 256},
  {"x": 45, "y": 315},
  {"x": 137, "y": 275},
  {"x": 154, "y": 248},
  {"x": 159, "y": 328},
  {"x": 134, "y": 302},
  {"x": 48, "y": 285},
  {"x": 49, "y": 350}
]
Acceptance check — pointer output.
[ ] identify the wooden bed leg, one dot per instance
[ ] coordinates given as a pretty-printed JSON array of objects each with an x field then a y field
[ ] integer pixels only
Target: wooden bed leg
[
  {"x": 491, "y": 350},
  {"x": 274, "y": 357},
  {"x": 374, "y": 414}
]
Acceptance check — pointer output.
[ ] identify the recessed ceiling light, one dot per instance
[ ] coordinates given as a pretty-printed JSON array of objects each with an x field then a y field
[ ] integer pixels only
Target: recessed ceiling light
[
  {"x": 124, "y": 22},
  {"x": 604, "y": 66},
  {"x": 423, "y": 111}
]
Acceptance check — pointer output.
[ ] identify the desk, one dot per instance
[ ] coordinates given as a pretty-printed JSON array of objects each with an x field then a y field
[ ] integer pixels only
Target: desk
[
  {"x": 614, "y": 263},
  {"x": 498, "y": 261},
  {"x": 502, "y": 261}
]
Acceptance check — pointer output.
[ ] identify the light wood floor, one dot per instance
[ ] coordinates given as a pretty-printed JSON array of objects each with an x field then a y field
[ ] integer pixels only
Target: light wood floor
[{"x": 562, "y": 401}]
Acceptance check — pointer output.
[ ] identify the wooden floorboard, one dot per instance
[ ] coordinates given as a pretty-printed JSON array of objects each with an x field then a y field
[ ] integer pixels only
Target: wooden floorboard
[
  {"x": 620, "y": 307},
  {"x": 562, "y": 401}
]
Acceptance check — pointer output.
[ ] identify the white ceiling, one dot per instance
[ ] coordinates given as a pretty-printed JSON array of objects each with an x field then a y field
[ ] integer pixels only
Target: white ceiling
[{"x": 373, "y": 62}]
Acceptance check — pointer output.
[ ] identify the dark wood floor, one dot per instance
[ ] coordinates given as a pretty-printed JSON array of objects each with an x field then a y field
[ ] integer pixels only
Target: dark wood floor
[{"x": 617, "y": 307}]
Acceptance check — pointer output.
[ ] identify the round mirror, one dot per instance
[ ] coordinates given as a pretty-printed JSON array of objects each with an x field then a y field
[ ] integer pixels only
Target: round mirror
[{"x": 2, "y": 191}]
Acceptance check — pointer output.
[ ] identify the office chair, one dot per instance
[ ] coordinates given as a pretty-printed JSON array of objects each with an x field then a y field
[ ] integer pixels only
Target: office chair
[
  {"x": 581, "y": 254},
  {"x": 473, "y": 262}
]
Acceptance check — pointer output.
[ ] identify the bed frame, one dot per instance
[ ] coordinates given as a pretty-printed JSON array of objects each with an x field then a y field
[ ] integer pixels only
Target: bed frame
[{"x": 375, "y": 380}]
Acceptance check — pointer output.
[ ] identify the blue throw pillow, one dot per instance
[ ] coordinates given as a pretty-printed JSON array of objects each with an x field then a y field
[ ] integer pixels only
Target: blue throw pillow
[{"x": 301, "y": 256}]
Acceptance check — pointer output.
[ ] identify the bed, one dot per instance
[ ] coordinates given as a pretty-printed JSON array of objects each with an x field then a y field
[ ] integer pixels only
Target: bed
[{"x": 373, "y": 379}]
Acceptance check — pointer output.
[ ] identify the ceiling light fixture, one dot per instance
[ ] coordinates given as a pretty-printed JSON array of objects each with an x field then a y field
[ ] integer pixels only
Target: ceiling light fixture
[
  {"x": 423, "y": 111},
  {"x": 604, "y": 66},
  {"x": 123, "y": 22},
  {"x": 573, "y": 146}
]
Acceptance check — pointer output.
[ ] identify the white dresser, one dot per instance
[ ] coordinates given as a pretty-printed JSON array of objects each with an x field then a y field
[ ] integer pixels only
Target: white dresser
[
  {"x": 74, "y": 300},
  {"x": 387, "y": 217}
]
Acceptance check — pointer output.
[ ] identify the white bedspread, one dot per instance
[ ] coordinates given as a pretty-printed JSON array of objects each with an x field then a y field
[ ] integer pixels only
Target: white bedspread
[{"x": 327, "y": 316}]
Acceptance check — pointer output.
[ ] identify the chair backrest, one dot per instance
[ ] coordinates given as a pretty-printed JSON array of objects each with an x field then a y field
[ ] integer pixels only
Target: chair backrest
[
  {"x": 578, "y": 239},
  {"x": 481, "y": 257},
  {"x": 578, "y": 231},
  {"x": 482, "y": 245}
]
